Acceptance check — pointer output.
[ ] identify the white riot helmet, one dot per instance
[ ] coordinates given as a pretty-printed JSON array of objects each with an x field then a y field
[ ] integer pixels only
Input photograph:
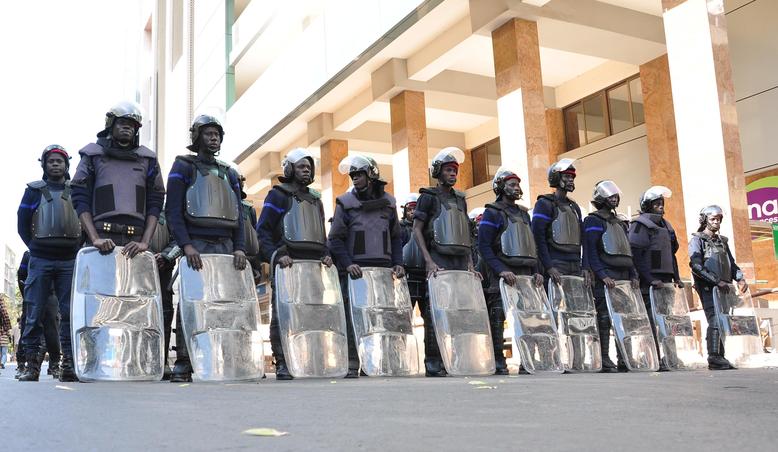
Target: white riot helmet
[
  {"x": 652, "y": 194},
  {"x": 446, "y": 155},
  {"x": 604, "y": 190},
  {"x": 293, "y": 157},
  {"x": 356, "y": 163}
]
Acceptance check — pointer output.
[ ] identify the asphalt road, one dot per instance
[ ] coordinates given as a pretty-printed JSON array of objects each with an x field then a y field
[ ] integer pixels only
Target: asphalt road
[{"x": 699, "y": 410}]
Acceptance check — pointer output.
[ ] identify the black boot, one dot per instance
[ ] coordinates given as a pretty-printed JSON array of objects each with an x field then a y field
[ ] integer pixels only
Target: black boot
[
  {"x": 352, "y": 373},
  {"x": 434, "y": 368},
  {"x": 54, "y": 369},
  {"x": 33, "y": 370},
  {"x": 501, "y": 368},
  {"x": 605, "y": 341},
  {"x": 167, "y": 372},
  {"x": 716, "y": 360},
  {"x": 67, "y": 372},
  {"x": 182, "y": 371},
  {"x": 20, "y": 366},
  {"x": 282, "y": 372}
]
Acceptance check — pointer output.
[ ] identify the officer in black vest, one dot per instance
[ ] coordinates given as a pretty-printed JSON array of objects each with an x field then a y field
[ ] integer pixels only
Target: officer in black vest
[
  {"x": 165, "y": 253},
  {"x": 507, "y": 247},
  {"x": 49, "y": 226},
  {"x": 204, "y": 212},
  {"x": 712, "y": 266},
  {"x": 609, "y": 257},
  {"x": 654, "y": 245},
  {"x": 291, "y": 226},
  {"x": 117, "y": 189},
  {"x": 365, "y": 232},
  {"x": 442, "y": 231}
]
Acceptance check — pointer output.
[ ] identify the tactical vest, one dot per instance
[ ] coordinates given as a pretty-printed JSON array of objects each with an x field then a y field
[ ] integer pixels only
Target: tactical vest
[
  {"x": 516, "y": 244},
  {"x": 210, "y": 199},
  {"x": 716, "y": 256},
  {"x": 55, "y": 222},
  {"x": 657, "y": 240},
  {"x": 161, "y": 238},
  {"x": 303, "y": 223},
  {"x": 368, "y": 229},
  {"x": 564, "y": 231},
  {"x": 449, "y": 228},
  {"x": 250, "y": 240},
  {"x": 413, "y": 259},
  {"x": 119, "y": 185},
  {"x": 614, "y": 249}
]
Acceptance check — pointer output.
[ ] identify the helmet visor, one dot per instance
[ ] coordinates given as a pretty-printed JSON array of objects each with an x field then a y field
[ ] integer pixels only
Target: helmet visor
[
  {"x": 449, "y": 154},
  {"x": 505, "y": 174},
  {"x": 562, "y": 165},
  {"x": 712, "y": 210},
  {"x": 606, "y": 189},
  {"x": 353, "y": 163},
  {"x": 656, "y": 192},
  {"x": 295, "y": 155}
]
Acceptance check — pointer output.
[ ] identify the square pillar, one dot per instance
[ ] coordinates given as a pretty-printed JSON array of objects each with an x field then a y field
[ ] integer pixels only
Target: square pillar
[
  {"x": 410, "y": 161},
  {"x": 333, "y": 183},
  {"x": 520, "y": 107},
  {"x": 706, "y": 121}
]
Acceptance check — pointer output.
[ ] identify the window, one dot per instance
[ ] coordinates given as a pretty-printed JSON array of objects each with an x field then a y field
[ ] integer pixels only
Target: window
[
  {"x": 607, "y": 112},
  {"x": 486, "y": 159}
]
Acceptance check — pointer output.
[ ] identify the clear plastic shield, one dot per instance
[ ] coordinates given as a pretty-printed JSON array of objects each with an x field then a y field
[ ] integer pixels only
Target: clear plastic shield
[
  {"x": 381, "y": 312},
  {"x": 220, "y": 319},
  {"x": 461, "y": 323},
  {"x": 632, "y": 327},
  {"x": 576, "y": 317},
  {"x": 534, "y": 329},
  {"x": 674, "y": 330},
  {"x": 739, "y": 326},
  {"x": 116, "y": 317},
  {"x": 312, "y": 320}
]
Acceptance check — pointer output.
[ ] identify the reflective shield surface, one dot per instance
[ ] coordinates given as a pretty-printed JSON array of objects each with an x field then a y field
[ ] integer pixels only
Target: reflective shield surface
[
  {"x": 632, "y": 327},
  {"x": 576, "y": 319},
  {"x": 461, "y": 323},
  {"x": 674, "y": 330},
  {"x": 381, "y": 312},
  {"x": 312, "y": 319},
  {"x": 116, "y": 317},
  {"x": 220, "y": 318},
  {"x": 534, "y": 329},
  {"x": 738, "y": 324}
]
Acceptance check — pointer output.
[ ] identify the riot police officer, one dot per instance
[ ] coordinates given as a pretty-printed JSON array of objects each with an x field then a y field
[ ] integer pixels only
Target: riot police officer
[
  {"x": 556, "y": 225},
  {"x": 507, "y": 247},
  {"x": 712, "y": 266},
  {"x": 291, "y": 226},
  {"x": 165, "y": 253},
  {"x": 117, "y": 189},
  {"x": 654, "y": 244},
  {"x": 365, "y": 232},
  {"x": 609, "y": 257},
  {"x": 49, "y": 226},
  {"x": 203, "y": 211},
  {"x": 442, "y": 231}
]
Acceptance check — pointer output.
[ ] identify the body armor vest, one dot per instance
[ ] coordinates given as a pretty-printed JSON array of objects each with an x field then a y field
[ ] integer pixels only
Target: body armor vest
[
  {"x": 516, "y": 242},
  {"x": 717, "y": 258},
  {"x": 614, "y": 249},
  {"x": 303, "y": 222},
  {"x": 413, "y": 259},
  {"x": 119, "y": 185},
  {"x": 657, "y": 240},
  {"x": 161, "y": 238},
  {"x": 450, "y": 227},
  {"x": 210, "y": 200},
  {"x": 368, "y": 230},
  {"x": 564, "y": 232},
  {"x": 55, "y": 222},
  {"x": 250, "y": 240}
]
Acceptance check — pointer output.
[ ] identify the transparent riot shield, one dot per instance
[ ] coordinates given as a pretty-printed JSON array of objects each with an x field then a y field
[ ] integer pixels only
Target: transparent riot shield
[
  {"x": 632, "y": 327},
  {"x": 534, "y": 329},
  {"x": 674, "y": 330},
  {"x": 461, "y": 323},
  {"x": 312, "y": 319},
  {"x": 381, "y": 312},
  {"x": 576, "y": 317},
  {"x": 739, "y": 326},
  {"x": 116, "y": 317},
  {"x": 220, "y": 319}
]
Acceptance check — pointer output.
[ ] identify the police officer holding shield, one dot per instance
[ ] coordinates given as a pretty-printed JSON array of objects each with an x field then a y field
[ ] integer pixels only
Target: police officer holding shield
[
  {"x": 204, "y": 212},
  {"x": 442, "y": 231},
  {"x": 365, "y": 232},
  {"x": 49, "y": 226},
  {"x": 291, "y": 226},
  {"x": 609, "y": 257},
  {"x": 654, "y": 244},
  {"x": 712, "y": 266},
  {"x": 507, "y": 247}
]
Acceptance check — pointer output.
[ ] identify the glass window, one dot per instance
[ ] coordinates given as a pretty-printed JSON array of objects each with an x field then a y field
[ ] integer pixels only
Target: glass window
[
  {"x": 480, "y": 167},
  {"x": 493, "y": 157},
  {"x": 636, "y": 91},
  {"x": 575, "y": 131},
  {"x": 594, "y": 113},
  {"x": 618, "y": 107}
]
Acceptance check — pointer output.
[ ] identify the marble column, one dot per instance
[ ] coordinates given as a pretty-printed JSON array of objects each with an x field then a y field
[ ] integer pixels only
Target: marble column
[
  {"x": 410, "y": 160},
  {"x": 465, "y": 176},
  {"x": 333, "y": 183},
  {"x": 663, "y": 157},
  {"x": 520, "y": 108},
  {"x": 706, "y": 121},
  {"x": 555, "y": 123}
]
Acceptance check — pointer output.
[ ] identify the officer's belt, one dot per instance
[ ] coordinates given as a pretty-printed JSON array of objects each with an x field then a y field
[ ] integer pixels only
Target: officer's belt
[{"x": 115, "y": 228}]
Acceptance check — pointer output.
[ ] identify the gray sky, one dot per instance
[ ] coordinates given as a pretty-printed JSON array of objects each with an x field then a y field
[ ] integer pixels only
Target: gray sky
[{"x": 64, "y": 64}]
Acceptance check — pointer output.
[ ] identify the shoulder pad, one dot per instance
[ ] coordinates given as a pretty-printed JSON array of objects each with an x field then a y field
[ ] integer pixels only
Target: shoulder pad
[
  {"x": 143, "y": 151},
  {"x": 314, "y": 193},
  {"x": 523, "y": 209},
  {"x": 37, "y": 185},
  {"x": 392, "y": 201},
  {"x": 247, "y": 203},
  {"x": 429, "y": 190},
  {"x": 349, "y": 201},
  {"x": 645, "y": 222},
  {"x": 285, "y": 188},
  {"x": 547, "y": 197},
  {"x": 185, "y": 158},
  {"x": 724, "y": 240},
  {"x": 91, "y": 149},
  {"x": 493, "y": 206},
  {"x": 458, "y": 193}
]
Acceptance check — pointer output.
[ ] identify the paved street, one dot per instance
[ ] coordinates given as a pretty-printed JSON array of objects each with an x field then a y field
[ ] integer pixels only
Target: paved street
[{"x": 669, "y": 411}]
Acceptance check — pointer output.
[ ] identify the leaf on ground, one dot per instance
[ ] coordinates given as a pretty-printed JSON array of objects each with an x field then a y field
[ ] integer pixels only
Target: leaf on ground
[
  {"x": 333, "y": 382},
  {"x": 264, "y": 432},
  {"x": 183, "y": 385},
  {"x": 476, "y": 382},
  {"x": 64, "y": 388},
  {"x": 486, "y": 387}
]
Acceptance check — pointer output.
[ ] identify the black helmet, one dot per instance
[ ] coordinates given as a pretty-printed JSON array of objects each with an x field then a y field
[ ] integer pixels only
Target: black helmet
[
  {"x": 56, "y": 149},
  {"x": 124, "y": 109},
  {"x": 199, "y": 122},
  {"x": 556, "y": 170},
  {"x": 293, "y": 157},
  {"x": 502, "y": 175},
  {"x": 652, "y": 194},
  {"x": 446, "y": 155},
  {"x": 355, "y": 163}
]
